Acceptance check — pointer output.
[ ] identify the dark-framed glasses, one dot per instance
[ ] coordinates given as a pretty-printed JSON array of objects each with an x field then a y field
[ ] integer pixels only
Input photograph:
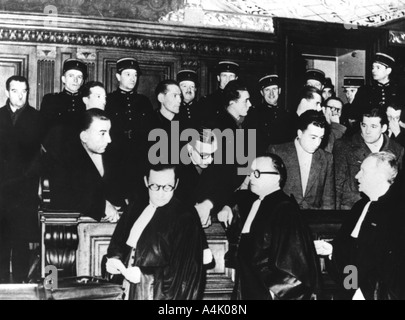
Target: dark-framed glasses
[
  {"x": 335, "y": 111},
  {"x": 257, "y": 174},
  {"x": 156, "y": 187},
  {"x": 204, "y": 156}
]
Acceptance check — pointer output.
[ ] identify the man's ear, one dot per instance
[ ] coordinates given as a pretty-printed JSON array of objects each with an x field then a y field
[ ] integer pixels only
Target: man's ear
[
  {"x": 84, "y": 137},
  {"x": 384, "y": 128},
  {"x": 218, "y": 78},
  {"x": 279, "y": 91},
  {"x": 7, "y": 94},
  {"x": 177, "y": 184},
  {"x": 262, "y": 93},
  {"x": 85, "y": 100},
  {"x": 145, "y": 179},
  {"x": 63, "y": 79},
  {"x": 161, "y": 97},
  {"x": 299, "y": 134},
  {"x": 389, "y": 70},
  {"x": 118, "y": 76}
]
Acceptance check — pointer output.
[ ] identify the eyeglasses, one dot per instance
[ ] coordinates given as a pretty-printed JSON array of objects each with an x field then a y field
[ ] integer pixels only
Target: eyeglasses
[
  {"x": 335, "y": 110},
  {"x": 257, "y": 174},
  {"x": 204, "y": 156},
  {"x": 156, "y": 187}
]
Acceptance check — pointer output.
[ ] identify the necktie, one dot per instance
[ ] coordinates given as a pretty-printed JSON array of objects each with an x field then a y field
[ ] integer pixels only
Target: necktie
[
  {"x": 356, "y": 231},
  {"x": 251, "y": 216},
  {"x": 140, "y": 225}
]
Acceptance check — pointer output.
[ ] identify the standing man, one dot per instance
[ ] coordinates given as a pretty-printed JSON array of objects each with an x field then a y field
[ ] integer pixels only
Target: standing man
[
  {"x": 212, "y": 105},
  {"x": 132, "y": 119},
  {"x": 315, "y": 78},
  {"x": 189, "y": 113},
  {"x": 350, "y": 152},
  {"x": 20, "y": 145},
  {"x": 328, "y": 90},
  {"x": 168, "y": 93},
  {"x": 351, "y": 86},
  {"x": 66, "y": 107},
  {"x": 383, "y": 91},
  {"x": 310, "y": 169},
  {"x": 273, "y": 121},
  {"x": 94, "y": 95}
]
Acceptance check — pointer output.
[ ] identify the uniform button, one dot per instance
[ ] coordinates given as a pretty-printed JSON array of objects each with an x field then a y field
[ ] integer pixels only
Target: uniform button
[{"x": 130, "y": 119}]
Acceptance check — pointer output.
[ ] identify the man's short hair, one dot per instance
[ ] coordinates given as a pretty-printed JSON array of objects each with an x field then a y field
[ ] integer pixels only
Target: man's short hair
[
  {"x": 86, "y": 90},
  {"x": 334, "y": 99},
  {"x": 279, "y": 165},
  {"x": 163, "y": 86},
  {"x": 312, "y": 117},
  {"x": 232, "y": 91},
  {"x": 396, "y": 105},
  {"x": 390, "y": 161},
  {"x": 308, "y": 93},
  {"x": 89, "y": 116},
  {"x": 18, "y": 79},
  {"x": 162, "y": 167},
  {"x": 376, "y": 113}
]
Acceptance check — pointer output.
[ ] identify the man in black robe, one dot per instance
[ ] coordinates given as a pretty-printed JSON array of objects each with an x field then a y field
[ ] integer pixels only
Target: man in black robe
[
  {"x": 372, "y": 239},
  {"x": 158, "y": 244},
  {"x": 276, "y": 259}
]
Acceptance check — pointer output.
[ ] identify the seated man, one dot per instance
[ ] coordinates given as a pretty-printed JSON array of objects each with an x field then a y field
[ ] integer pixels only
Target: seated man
[
  {"x": 276, "y": 259},
  {"x": 310, "y": 169},
  {"x": 84, "y": 180},
  {"x": 161, "y": 242},
  {"x": 350, "y": 152},
  {"x": 372, "y": 238}
]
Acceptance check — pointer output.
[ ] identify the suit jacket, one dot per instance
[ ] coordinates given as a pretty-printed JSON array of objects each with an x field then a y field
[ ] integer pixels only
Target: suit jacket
[
  {"x": 379, "y": 251},
  {"x": 320, "y": 192},
  {"x": 76, "y": 184},
  {"x": 169, "y": 252},
  {"x": 278, "y": 254},
  {"x": 349, "y": 155},
  {"x": 20, "y": 146}
]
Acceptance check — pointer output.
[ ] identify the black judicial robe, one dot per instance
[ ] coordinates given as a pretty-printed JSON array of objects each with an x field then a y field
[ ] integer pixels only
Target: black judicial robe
[
  {"x": 278, "y": 254},
  {"x": 169, "y": 252},
  {"x": 379, "y": 251}
]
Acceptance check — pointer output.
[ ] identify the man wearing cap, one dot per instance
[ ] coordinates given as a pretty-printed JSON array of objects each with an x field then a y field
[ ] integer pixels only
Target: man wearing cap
[
  {"x": 315, "y": 78},
  {"x": 132, "y": 118},
  {"x": 328, "y": 90},
  {"x": 383, "y": 91},
  {"x": 214, "y": 104},
  {"x": 273, "y": 121},
  {"x": 189, "y": 112},
  {"x": 351, "y": 85},
  {"x": 65, "y": 108}
]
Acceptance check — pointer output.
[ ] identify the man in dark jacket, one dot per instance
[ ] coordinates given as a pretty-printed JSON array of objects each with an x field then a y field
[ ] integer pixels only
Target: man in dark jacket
[
  {"x": 20, "y": 145},
  {"x": 372, "y": 238},
  {"x": 276, "y": 258},
  {"x": 158, "y": 244},
  {"x": 350, "y": 152}
]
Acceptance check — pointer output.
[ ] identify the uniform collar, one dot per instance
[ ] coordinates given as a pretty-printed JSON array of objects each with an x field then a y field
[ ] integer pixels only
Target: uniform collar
[
  {"x": 126, "y": 92},
  {"x": 383, "y": 85},
  {"x": 70, "y": 93}
]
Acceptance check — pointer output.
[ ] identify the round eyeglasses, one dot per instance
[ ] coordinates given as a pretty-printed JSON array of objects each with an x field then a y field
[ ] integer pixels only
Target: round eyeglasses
[
  {"x": 156, "y": 187},
  {"x": 257, "y": 174},
  {"x": 204, "y": 156}
]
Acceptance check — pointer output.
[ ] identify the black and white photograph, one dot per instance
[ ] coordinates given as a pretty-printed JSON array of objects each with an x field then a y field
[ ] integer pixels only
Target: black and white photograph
[{"x": 208, "y": 151}]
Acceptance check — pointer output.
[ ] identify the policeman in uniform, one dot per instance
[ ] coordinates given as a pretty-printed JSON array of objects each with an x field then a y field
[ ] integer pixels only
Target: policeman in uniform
[
  {"x": 274, "y": 123},
  {"x": 214, "y": 104},
  {"x": 189, "y": 113},
  {"x": 315, "y": 78},
  {"x": 65, "y": 108},
  {"x": 383, "y": 91},
  {"x": 351, "y": 85},
  {"x": 132, "y": 119}
]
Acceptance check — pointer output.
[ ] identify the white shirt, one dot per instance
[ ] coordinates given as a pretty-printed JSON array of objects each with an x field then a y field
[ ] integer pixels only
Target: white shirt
[
  {"x": 305, "y": 162},
  {"x": 251, "y": 216},
  {"x": 376, "y": 147},
  {"x": 356, "y": 231},
  {"x": 140, "y": 225}
]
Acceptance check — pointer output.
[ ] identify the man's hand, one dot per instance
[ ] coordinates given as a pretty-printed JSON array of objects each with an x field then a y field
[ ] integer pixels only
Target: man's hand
[
  {"x": 323, "y": 248},
  {"x": 133, "y": 275},
  {"x": 204, "y": 211},
  {"x": 226, "y": 216},
  {"x": 115, "y": 266},
  {"x": 112, "y": 214}
]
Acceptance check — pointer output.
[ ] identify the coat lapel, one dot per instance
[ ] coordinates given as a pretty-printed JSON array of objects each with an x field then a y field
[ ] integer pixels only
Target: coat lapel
[
  {"x": 295, "y": 172},
  {"x": 316, "y": 169}
]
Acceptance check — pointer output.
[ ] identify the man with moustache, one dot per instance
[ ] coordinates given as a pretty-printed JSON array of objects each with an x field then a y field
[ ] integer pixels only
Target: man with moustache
[{"x": 189, "y": 115}]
